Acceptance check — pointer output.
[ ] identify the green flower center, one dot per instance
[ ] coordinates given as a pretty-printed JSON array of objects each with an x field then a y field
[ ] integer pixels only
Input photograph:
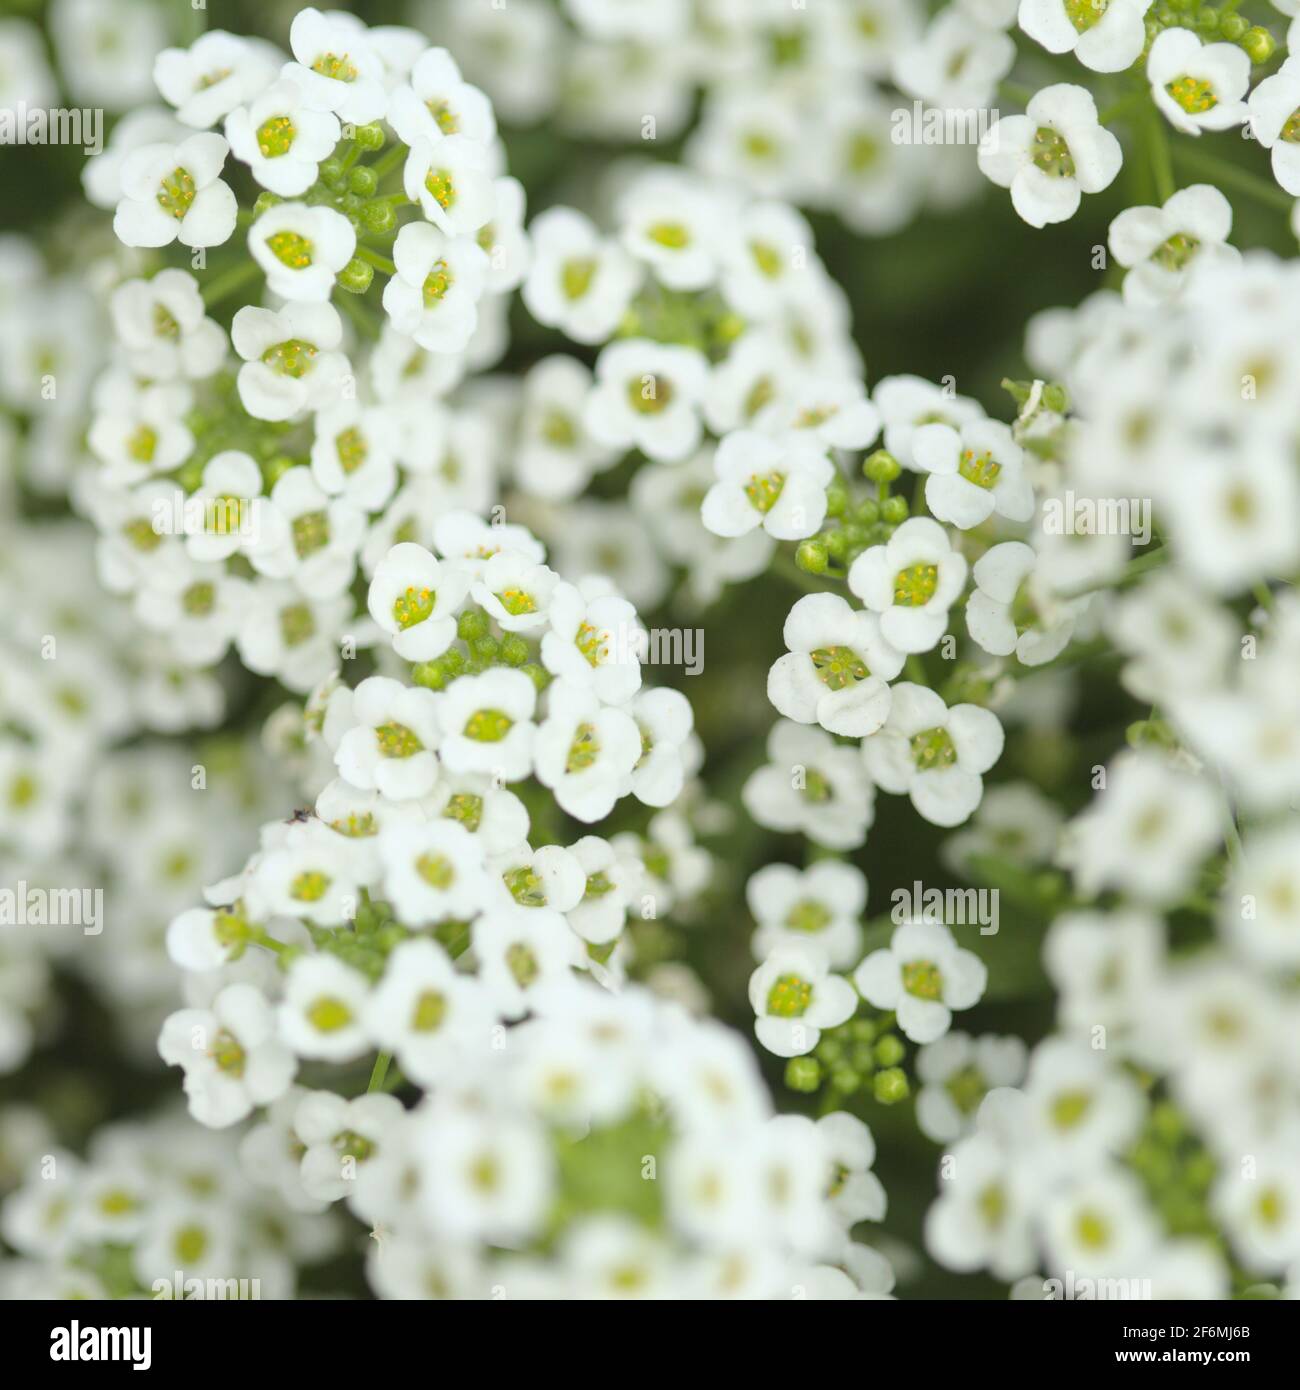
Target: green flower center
[
  {"x": 763, "y": 490},
  {"x": 293, "y": 357},
  {"x": 1051, "y": 154},
  {"x": 1083, "y": 14},
  {"x": 577, "y": 275},
  {"x": 341, "y": 69},
  {"x": 198, "y": 599},
  {"x": 436, "y": 283},
  {"x": 525, "y": 887},
  {"x": 808, "y": 915},
  {"x": 413, "y": 606},
  {"x": 669, "y": 234},
  {"x": 227, "y": 1053},
  {"x": 649, "y": 395},
  {"x": 311, "y": 532},
  {"x": 328, "y": 1014},
  {"x": 143, "y": 444},
  {"x": 141, "y": 534},
  {"x": 598, "y": 884},
  {"x": 517, "y": 602},
  {"x": 522, "y": 964},
  {"x": 290, "y": 249},
  {"x": 309, "y": 886},
  {"x": 863, "y": 152},
  {"x": 176, "y": 193},
  {"x": 584, "y": 750},
  {"x": 1092, "y": 1229},
  {"x": 993, "y": 1205},
  {"x": 1175, "y": 252},
  {"x": 967, "y": 1088},
  {"x": 1291, "y": 130},
  {"x": 466, "y": 808},
  {"x": 276, "y": 136},
  {"x": 591, "y": 643},
  {"x": 767, "y": 258},
  {"x": 558, "y": 429},
  {"x": 440, "y": 187},
  {"x": 789, "y": 997},
  {"x": 816, "y": 785},
  {"x": 22, "y": 791},
  {"x": 397, "y": 741},
  {"x": 297, "y": 624},
  {"x": 1069, "y": 1108},
  {"x": 436, "y": 870},
  {"x": 933, "y": 748},
  {"x": 488, "y": 725},
  {"x": 352, "y": 450},
  {"x": 923, "y": 979},
  {"x": 838, "y": 667},
  {"x": 164, "y": 322},
  {"x": 447, "y": 120},
  {"x": 190, "y": 1243},
  {"x": 1194, "y": 94},
  {"x": 980, "y": 469},
  {"x": 429, "y": 1012},
  {"x": 915, "y": 585}
]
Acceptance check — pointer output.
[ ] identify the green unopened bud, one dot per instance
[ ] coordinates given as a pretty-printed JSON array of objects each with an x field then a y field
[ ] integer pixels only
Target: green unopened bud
[
  {"x": 369, "y": 137},
  {"x": 357, "y": 276},
  {"x": 889, "y": 1050},
  {"x": 1017, "y": 390},
  {"x": 845, "y": 1080},
  {"x": 837, "y": 497},
  {"x": 1056, "y": 398},
  {"x": 265, "y": 202},
  {"x": 803, "y": 1074},
  {"x": 890, "y": 1086},
  {"x": 379, "y": 216},
  {"x": 1207, "y": 19},
  {"x": 812, "y": 556},
  {"x": 862, "y": 1030},
  {"x": 485, "y": 648},
  {"x": 881, "y": 467},
  {"x": 867, "y": 511},
  {"x": 453, "y": 661},
  {"x": 514, "y": 650},
  {"x": 332, "y": 173},
  {"x": 1233, "y": 26},
  {"x": 539, "y": 675},
  {"x": 471, "y": 626},
  {"x": 429, "y": 674},
  {"x": 894, "y": 510},
  {"x": 1259, "y": 44},
  {"x": 837, "y": 544},
  {"x": 363, "y": 181}
]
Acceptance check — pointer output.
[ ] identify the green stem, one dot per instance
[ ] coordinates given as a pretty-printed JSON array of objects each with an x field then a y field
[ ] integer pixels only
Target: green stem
[
  {"x": 375, "y": 259},
  {"x": 1224, "y": 172},
  {"x": 915, "y": 669},
  {"x": 229, "y": 281},
  {"x": 1017, "y": 92},
  {"x": 1161, "y": 163},
  {"x": 380, "y": 1071},
  {"x": 785, "y": 566},
  {"x": 1133, "y": 570},
  {"x": 389, "y": 160}
]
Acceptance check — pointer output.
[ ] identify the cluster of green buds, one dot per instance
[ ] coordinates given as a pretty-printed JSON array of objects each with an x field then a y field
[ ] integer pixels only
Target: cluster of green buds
[
  {"x": 861, "y": 1055},
  {"x": 219, "y": 423},
  {"x": 481, "y": 651},
  {"x": 1176, "y": 1169},
  {"x": 1214, "y": 23},
  {"x": 855, "y": 524},
  {"x": 354, "y": 189},
  {"x": 367, "y": 941},
  {"x": 703, "y": 321}
]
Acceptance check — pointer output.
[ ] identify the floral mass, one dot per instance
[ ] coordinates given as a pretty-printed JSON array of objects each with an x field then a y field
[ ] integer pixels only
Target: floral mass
[{"x": 650, "y": 650}]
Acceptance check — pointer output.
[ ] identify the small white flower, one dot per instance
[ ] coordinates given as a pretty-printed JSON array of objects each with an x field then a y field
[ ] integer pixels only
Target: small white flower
[
  {"x": 175, "y": 192},
  {"x": 908, "y": 402},
  {"x": 817, "y": 908},
  {"x": 282, "y": 139},
  {"x": 923, "y": 977},
  {"x": 1198, "y": 86},
  {"x": 337, "y": 68},
  {"x": 1161, "y": 247},
  {"x": 218, "y": 72},
  {"x": 1053, "y": 154},
  {"x": 436, "y": 101},
  {"x": 1105, "y": 35},
  {"x": 1273, "y": 105},
  {"x": 523, "y": 952},
  {"x": 301, "y": 250},
  {"x": 486, "y": 724},
  {"x": 837, "y": 670},
  {"x": 956, "y": 1072},
  {"x": 338, "y": 1136},
  {"x": 956, "y": 62},
  {"x": 857, "y": 1194},
  {"x": 504, "y": 239},
  {"x": 353, "y": 455},
  {"x": 973, "y": 473},
  {"x": 291, "y": 362},
  {"x": 515, "y": 591},
  {"x": 811, "y": 785},
  {"x": 763, "y": 254},
  {"x": 833, "y": 411},
  {"x": 1010, "y": 613},
  {"x": 137, "y": 431},
  {"x": 579, "y": 282},
  {"x": 592, "y": 642},
  {"x": 307, "y": 536},
  {"x": 311, "y": 873},
  {"x": 1100, "y": 1226},
  {"x": 614, "y": 881},
  {"x": 778, "y": 484},
  {"x": 434, "y": 296},
  {"x": 291, "y": 636},
  {"x": 390, "y": 748},
  {"x": 231, "y": 1056},
  {"x": 324, "y": 1006},
  {"x": 585, "y": 751},
  {"x": 161, "y": 324},
  {"x": 415, "y": 599},
  {"x": 935, "y": 754},
  {"x": 451, "y": 179},
  {"x": 795, "y": 996},
  {"x": 666, "y": 723},
  {"x": 433, "y": 870},
  {"x": 549, "y": 877},
  {"x": 911, "y": 581},
  {"x": 647, "y": 396},
  {"x": 672, "y": 223}
]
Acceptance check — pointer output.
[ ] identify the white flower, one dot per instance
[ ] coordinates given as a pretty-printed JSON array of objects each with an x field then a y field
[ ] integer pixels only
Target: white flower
[
  {"x": 1260, "y": 1208},
  {"x": 1104, "y": 966},
  {"x": 451, "y": 179},
  {"x": 648, "y": 396},
  {"x": 923, "y": 976},
  {"x": 911, "y": 581},
  {"x": 935, "y": 754},
  {"x": 833, "y": 410},
  {"x": 324, "y": 1006},
  {"x": 504, "y": 239},
  {"x": 434, "y": 296},
  {"x": 175, "y": 192},
  {"x": 812, "y": 785},
  {"x": 1100, "y": 1226},
  {"x": 428, "y": 1014},
  {"x": 837, "y": 670},
  {"x": 282, "y": 139},
  {"x": 983, "y": 1218},
  {"x": 1260, "y": 908},
  {"x": 1162, "y": 247},
  {"x": 549, "y": 877},
  {"x": 1145, "y": 832},
  {"x": 338, "y": 1136},
  {"x": 231, "y": 1056},
  {"x": 973, "y": 473},
  {"x": 856, "y": 1192},
  {"x": 490, "y": 812},
  {"x": 436, "y": 101},
  {"x": 1105, "y": 35},
  {"x": 200, "y": 610},
  {"x": 666, "y": 724},
  {"x": 1198, "y": 86},
  {"x": 580, "y": 282},
  {"x": 291, "y": 362},
  {"x": 218, "y": 72},
  {"x": 1053, "y": 154},
  {"x": 1009, "y": 612},
  {"x": 1079, "y": 1106},
  {"x": 817, "y": 908},
  {"x": 353, "y": 454},
  {"x": 390, "y": 747},
  {"x": 585, "y": 752},
  {"x": 672, "y": 223},
  {"x": 523, "y": 952},
  {"x": 955, "y": 62},
  {"x": 471, "y": 541},
  {"x": 555, "y": 457},
  {"x": 337, "y": 68},
  {"x": 161, "y": 324},
  {"x": 486, "y": 724},
  {"x": 415, "y": 598},
  {"x": 515, "y": 591},
  {"x": 137, "y": 431},
  {"x": 956, "y": 1072},
  {"x": 301, "y": 250},
  {"x": 1273, "y": 105},
  {"x": 908, "y": 402},
  {"x": 795, "y": 996},
  {"x": 592, "y": 642},
  {"x": 433, "y": 870},
  {"x": 778, "y": 484},
  {"x": 763, "y": 253},
  {"x": 307, "y": 536},
  {"x": 613, "y": 882},
  {"x": 310, "y": 872},
  {"x": 291, "y": 636}
]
